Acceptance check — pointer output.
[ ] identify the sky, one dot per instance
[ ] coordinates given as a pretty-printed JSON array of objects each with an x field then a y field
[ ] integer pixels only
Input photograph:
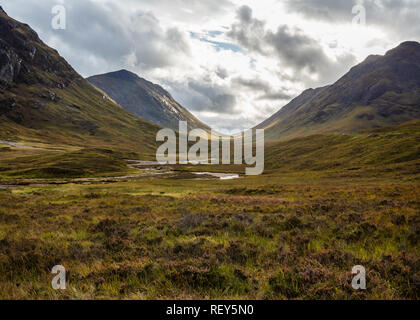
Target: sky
[{"x": 231, "y": 63}]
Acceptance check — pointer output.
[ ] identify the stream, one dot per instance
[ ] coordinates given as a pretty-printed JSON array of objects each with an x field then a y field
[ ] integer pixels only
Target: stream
[
  {"x": 148, "y": 169},
  {"x": 136, "y": 164}
]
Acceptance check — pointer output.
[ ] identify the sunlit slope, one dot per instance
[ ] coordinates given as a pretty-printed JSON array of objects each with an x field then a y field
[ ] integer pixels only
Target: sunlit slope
[{"x": 398, "y": 146}]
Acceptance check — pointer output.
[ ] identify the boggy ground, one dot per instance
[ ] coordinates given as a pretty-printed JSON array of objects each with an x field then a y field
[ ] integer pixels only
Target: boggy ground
[{"x": 267, "y": 237}]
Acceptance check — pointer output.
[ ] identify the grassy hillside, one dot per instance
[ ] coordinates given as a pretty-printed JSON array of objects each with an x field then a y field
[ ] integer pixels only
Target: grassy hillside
[
  {"x": 43, "y": 100},
  {"x": 375, "y": 150},
  {"x": 380, "y": 91},
  {"x": 78, "y": 116}
]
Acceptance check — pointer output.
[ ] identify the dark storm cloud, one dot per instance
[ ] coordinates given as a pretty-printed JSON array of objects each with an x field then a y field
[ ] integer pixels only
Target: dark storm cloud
[
  {"x": 292, "y": 46},
  {"x": 399, "y": 17},
  {"x": 101, "y": 34}
]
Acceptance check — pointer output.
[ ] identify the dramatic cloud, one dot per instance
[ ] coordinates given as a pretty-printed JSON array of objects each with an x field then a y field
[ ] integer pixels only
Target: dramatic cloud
[
  {"x": 102, "y": 34},
  {"x": 295, "y": 49}
]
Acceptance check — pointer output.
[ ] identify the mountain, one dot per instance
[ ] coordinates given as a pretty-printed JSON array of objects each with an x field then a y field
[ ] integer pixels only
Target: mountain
[
  {"x": 380, "y": 91},
  {"x": 43, "y": 99},
  {"x": 145, "y": 99}
]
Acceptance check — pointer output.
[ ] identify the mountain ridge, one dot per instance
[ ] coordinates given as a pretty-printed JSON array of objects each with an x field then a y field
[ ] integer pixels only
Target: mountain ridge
[
  {"x": 145, "y": 99},
  {"x": 380, "y": 91}
]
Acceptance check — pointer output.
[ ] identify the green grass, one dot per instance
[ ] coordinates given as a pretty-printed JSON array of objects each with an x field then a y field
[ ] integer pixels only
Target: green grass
[
  {"x": 216, "y": 239},
  {"x": 80, "y": 118},
  {"x": 381, "y": 148},
  {"x": 82, "y": 163},
  {"x": 324, "y": 204}
]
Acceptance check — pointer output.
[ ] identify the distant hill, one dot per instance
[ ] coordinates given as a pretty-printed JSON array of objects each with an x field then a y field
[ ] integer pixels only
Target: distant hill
[
  {"x": 145, "y": 99},
  {"x": 43, "y": 99},
  {"x": 380, "y": 91}
]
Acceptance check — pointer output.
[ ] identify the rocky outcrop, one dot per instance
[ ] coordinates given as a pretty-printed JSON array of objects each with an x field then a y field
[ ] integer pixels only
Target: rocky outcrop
[
  {"x": 10, "y": 64},
  {"x": 23, "y": 57}
]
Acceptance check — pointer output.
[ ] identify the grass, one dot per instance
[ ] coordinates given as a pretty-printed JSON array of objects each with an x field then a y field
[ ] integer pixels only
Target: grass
[
  {"x": 378, "y": 149},
  {"x": 81, "y": 163},
  {"x": 255, "y": 238},
  {"x": 294, "y": 232}
]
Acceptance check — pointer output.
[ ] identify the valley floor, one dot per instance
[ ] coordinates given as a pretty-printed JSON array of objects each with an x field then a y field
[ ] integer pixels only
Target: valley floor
[{"x": 162, "y": 237}]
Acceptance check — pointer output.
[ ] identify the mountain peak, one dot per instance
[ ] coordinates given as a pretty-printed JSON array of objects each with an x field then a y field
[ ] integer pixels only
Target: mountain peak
[
  {"x": 405, "y": 49},
  {"x": 413, "y": 44},
  {"x": 383, "y": 90},
  {"x": 124, "y": 74},
  {"x": 145, "y": 99}
]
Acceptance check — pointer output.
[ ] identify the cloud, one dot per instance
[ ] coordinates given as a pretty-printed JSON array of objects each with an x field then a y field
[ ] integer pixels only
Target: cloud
[
  {"x": 331, "y": 10},
  {"x": 293, "y": 47},
  {"x": 213, "y": 98},
  {"x": 259, "y": 85},
  {"x": 275, "y": 96},
  {"x": 397, "y": 17},
  {"x": 101, "y": 35},
  {"x": 231, "y": 124},
  {"x": 254, "y": 84},
  {"x": 249, "y": 32},
  {"x": 185, "y": 11},
  {"x": 221, "y": 72}
]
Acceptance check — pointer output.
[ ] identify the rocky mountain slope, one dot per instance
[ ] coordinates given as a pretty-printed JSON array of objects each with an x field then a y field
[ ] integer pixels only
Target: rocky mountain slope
[
  {"x": 42, "y": 99},
  {"x": 145, "y": 99},
  {"x": 381, "y": 91}
]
